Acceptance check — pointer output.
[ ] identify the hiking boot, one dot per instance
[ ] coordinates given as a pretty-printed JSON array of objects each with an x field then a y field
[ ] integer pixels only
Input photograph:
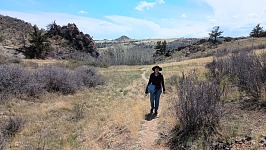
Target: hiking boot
[
  {"x": 156, "y": 112},
  {"x": 151, "y": 111}
]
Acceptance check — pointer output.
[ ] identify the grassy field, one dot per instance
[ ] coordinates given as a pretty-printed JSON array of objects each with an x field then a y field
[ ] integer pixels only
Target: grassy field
[{"x": 112, "y": 115}]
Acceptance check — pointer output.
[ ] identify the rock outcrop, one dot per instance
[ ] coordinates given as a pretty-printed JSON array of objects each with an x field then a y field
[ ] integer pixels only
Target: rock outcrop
[
  {"x": 71, "y": 36},
  {"x": 15, "y": 33}
]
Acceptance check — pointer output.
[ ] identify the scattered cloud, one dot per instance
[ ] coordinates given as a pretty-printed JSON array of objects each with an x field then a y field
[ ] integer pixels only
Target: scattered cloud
[
  {"x": 234, "y": 20},
  {"x": 237, "y": 16},
  {"x": 147, "y": 5},
  {"x": 142, "y": 5},
  {"x": 264, "y": 9},
  {"x": 183, "y": 16},
  {"x": 114, "y": 26},
  {"x": 82, "y": 12},
  {"x": 212, "y": 20},
  {"x": 160, "y": 1},
  {"x": 253, "y": 15},
  {"x": 97, "y": 28}
]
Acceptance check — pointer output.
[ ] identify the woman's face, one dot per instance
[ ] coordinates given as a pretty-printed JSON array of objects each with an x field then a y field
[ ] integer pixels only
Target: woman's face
[{"x": 156, "y": 70}]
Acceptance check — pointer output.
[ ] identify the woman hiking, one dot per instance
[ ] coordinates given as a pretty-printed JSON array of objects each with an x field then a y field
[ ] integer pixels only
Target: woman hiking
[{"x": 155, "y": 87}]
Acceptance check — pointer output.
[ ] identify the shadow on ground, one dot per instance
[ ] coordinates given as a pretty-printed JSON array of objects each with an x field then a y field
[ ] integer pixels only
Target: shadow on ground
[{"x": 150, "y": 116}]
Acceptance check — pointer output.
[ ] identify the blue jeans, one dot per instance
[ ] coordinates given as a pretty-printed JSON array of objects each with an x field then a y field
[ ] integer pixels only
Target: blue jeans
[{"x": 155, "y": 97}]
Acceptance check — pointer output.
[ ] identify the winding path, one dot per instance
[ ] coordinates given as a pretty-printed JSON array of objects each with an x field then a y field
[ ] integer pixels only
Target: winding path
[{"x": 149, "y": 131}]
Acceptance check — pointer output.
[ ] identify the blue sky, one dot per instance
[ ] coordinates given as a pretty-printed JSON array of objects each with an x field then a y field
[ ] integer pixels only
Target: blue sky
[{"x": 139, "y": 19}]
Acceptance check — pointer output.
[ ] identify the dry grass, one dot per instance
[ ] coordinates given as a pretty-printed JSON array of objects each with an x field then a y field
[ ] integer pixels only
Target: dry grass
[
  {"x": 113, "y": 115},
  {"x": 243, "y": 43},
  {"x": 42, "y": 62},
  {"x": 236, "y": 123},
  {"x": 113, "y": 112}
]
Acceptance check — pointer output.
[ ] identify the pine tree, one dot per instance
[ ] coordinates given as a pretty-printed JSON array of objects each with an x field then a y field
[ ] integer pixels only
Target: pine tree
[
  {"x": 161, "y": 47},
  {"x": 215, "y": 33},
  {"x": 257, "y": 31},
  {"x": 39, "y": 44}
]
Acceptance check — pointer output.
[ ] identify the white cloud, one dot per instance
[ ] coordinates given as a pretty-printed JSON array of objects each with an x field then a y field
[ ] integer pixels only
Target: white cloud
[
  {"x": 264, "y": 9},
  {"x": 82, "y": 12},
  {"x": 97, "y": 28},
  {"x": 237, "y": 16},
  {"x": 183, "y": 16},
  {"x": 114, "y": 26},
  {"x": 143, "y": 4},
  {"x": 146, "y": 28},
  {"x": 160, "y": 1},
  {"x": 253, "y": 15},
  {"x": 212, "y": 20}
]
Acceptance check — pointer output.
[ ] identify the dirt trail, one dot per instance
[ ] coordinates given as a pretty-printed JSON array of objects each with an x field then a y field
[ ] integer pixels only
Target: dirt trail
[
  {"x": 149, "y": 131},
  {"x": 143, "y": 76}
]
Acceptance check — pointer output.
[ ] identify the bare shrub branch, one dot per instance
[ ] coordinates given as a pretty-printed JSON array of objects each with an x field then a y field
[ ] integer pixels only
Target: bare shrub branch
[
  {"x": 16, "y": 81},
  {"x": 244, "y": 69},
  {"x": 89, "y": 76},
  {"x": 198, "y": 109},
  {"x": 13, "y": 126},
  {"x": 57, "y": 79}
]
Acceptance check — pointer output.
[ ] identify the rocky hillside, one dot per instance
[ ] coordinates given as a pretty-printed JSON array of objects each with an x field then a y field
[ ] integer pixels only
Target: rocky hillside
[
  {"x": 15, "y": 34},
  {"x": 68, "y": 38}
]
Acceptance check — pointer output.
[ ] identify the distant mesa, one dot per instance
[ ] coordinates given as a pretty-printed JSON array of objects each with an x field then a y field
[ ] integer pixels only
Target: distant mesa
[{"x": 123, "y": 39}]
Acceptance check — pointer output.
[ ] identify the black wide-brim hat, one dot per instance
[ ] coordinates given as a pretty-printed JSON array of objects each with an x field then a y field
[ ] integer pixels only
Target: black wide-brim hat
[{"x": 160, "y": 69}]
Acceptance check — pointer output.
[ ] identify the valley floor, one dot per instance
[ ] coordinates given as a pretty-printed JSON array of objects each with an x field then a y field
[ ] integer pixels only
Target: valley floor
[{"x": 115, "y": 114}]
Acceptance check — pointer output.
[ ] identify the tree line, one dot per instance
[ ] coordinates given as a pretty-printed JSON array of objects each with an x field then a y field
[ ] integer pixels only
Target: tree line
[{"x": 40, "y": 45}]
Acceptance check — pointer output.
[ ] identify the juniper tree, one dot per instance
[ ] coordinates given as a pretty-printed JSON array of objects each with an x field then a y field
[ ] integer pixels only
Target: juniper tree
[
  {"x": 161, "y": 47},
  {"x": 215, "y": 33},
  {"x": 39, "y": 44},
  {"x": 257, "y": 31}
]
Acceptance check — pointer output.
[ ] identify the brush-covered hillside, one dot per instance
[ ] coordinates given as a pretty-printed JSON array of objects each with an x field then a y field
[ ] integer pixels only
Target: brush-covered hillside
[{"x": 56, "y": 41}]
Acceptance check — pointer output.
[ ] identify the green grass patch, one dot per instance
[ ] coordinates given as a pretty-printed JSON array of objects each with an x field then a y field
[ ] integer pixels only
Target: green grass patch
[
  {"x": 76, "y": 63},
  {"x": 122, "y": 79}
]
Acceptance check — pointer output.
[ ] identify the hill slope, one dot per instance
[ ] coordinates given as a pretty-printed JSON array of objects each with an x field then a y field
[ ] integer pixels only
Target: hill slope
[
  {"x": 15, "y": 33},
  {"x": 123, "y": 39}
]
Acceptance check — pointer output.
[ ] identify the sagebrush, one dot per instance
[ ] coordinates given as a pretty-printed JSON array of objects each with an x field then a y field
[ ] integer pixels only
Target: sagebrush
[
  {"x": 198, "y": 111},
  {"x": 243, "y": 69},
  {"x": 16, "y": 81}
]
